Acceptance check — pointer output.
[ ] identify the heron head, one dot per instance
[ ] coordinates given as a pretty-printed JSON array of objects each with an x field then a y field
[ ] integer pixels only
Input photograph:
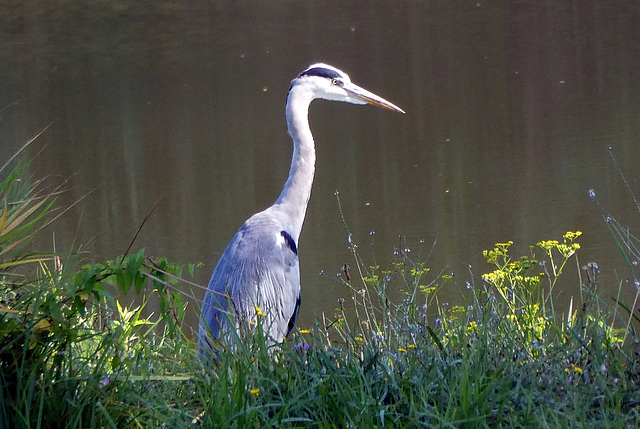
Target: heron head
[{"x": 328, "y": 82}]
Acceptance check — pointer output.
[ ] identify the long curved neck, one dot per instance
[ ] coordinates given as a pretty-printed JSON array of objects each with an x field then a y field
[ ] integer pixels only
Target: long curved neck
[{"x": 295, "y": 196}]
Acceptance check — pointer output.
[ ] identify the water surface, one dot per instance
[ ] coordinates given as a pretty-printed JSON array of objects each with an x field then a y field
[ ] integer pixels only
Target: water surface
[{"x": 513, "y": 109}]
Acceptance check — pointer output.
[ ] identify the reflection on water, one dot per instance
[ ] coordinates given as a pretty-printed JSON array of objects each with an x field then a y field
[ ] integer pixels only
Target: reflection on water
[{"x": 511, "y": 108}]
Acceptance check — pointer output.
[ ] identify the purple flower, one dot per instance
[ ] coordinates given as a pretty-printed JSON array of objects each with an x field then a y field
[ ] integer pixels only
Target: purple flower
[{"x": 301, "y": 347}]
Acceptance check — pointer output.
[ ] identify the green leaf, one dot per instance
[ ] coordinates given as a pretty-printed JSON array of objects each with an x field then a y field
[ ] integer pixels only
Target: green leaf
[
  {"x": 178, "y": 304},
  {"x": 140, "y": 281},
  {"x": 122, "y": 281}
]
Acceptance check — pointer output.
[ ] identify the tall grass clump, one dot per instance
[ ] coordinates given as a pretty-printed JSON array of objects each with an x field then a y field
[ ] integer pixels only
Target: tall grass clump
[
  {"x": 67, "y": 347},
  {"x": 508, "y": 358}
]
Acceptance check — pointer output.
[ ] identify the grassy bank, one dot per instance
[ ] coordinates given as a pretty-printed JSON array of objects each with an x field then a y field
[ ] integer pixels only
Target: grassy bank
[{"x": 73, "y": 356}]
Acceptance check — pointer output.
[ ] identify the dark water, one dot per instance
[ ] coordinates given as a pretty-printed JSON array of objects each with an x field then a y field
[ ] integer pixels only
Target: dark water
[{"x": 513, "y": 109}]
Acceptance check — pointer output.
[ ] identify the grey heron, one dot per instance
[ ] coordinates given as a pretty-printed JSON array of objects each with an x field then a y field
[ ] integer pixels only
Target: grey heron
[{"x": 257, "y": 279}]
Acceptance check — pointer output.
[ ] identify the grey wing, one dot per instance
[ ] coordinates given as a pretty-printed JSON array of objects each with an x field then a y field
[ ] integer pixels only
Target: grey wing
[{"x": 258, "y": 268}]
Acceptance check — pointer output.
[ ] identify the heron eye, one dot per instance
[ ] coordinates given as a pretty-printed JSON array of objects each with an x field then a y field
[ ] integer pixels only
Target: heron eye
[{"x": 336, "y": 81}]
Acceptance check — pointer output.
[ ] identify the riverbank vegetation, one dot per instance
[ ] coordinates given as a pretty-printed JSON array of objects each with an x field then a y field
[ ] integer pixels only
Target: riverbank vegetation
[{"x": 73, "y": 356}]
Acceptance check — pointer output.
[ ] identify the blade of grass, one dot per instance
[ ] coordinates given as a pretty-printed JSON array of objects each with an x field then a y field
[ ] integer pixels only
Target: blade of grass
[{"x": 24, "y": 146}]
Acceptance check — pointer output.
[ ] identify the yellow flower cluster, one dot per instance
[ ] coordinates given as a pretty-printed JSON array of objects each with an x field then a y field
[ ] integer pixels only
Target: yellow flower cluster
[
  {"x": 406, "y": 348},
  {"x": 573, "y": 368},
  {"x": 572, "y": 235},
  {"x": 427, "y": 289},
  {"x": 548, "y": 244},
  {"x": 373, "y": 280},
  {"x": 259, "y": 311},
  {"x": 501, "y": 249},
  {"x": 495, "y": 277},
  {"x": 419, "y": 271},
  {"x": 567, "y": 248},
  {"x": 529, "y": 281}
]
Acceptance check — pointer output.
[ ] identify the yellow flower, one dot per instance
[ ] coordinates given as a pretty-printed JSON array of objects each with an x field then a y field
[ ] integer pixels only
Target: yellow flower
[
  {"x": 568, "y": 249},
  {"x": 359, "y": 339},
  {"x": 259, "y": 311},
  {"x": 254, "y": 392},
  {"x": 425, "y": 289},
  {"x": 572, "y": 235},
  {"x": 411, "y": 346},
  {"x": 573, "y": 368},
  {"x": 402, "y": 350},
  {"x": 305, "y": 331},
  {"x": 548, "y": 244},
  {"x": 494, "y": 277}
]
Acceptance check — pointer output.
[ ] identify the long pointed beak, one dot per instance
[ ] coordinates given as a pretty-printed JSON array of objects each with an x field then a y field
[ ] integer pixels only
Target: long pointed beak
[{"x": 367, "y": 97}]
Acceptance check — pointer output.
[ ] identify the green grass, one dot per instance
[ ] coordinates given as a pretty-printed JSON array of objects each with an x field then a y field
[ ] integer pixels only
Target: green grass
[{"x": 72, "y": 356}]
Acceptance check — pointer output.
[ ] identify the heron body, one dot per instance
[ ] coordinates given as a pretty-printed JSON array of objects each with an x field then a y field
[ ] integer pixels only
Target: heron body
[{"x": 257, "y": 279}]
